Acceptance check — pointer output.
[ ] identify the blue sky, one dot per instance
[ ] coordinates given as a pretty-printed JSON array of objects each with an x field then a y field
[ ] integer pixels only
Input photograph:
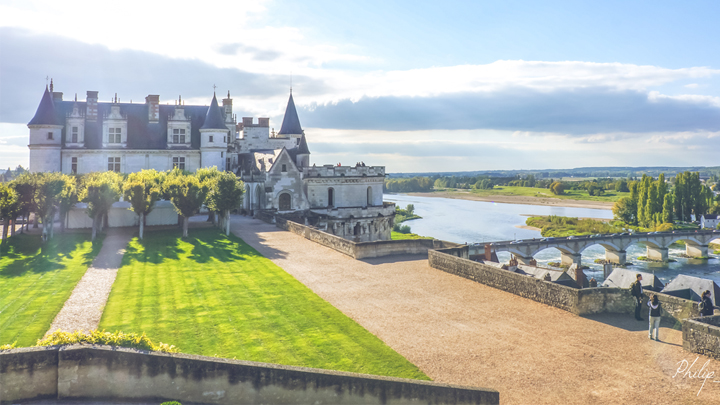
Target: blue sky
[{"x": 414, "y": 86}]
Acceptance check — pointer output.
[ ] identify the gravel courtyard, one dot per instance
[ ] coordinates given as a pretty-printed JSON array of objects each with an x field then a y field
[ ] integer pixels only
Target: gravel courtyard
[{"x": 464, "y": 333}]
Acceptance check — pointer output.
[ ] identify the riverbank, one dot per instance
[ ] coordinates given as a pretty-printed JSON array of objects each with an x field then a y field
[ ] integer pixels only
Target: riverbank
[{"x": 518, "y": 199}]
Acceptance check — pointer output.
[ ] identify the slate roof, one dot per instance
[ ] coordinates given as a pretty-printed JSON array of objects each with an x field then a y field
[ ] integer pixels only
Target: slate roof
[
  {"x": 140, "y": 132},
  {"x": 690, "y": 288},
  {"x": 622, "y": 278},
  {"x": 214, "y": 118},
  {"x": 46, "y": 113},
  {"x": 291, "y": 122},
  {"x": 302, "y": 147}
]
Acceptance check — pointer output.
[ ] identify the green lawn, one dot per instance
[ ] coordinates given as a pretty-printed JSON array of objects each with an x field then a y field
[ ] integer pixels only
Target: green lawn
[
  {"x": 609, "y": 196},
  {"x": 405, "y": 236},
  {"x": 36, "y": 280},
  {"x": 216, "y": 296}
]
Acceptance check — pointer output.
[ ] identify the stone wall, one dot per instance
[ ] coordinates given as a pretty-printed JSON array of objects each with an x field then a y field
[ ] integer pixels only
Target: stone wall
[
  {"x": 578, "y": 301},
  {"x": 362, "y": 250},
  {"x": 552, "y": 294},
  {"x": 90, "y": 373},
  {"x": 702, "y": 336}
]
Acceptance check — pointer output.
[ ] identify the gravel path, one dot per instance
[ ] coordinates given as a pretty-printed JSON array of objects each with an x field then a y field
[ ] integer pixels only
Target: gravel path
[
  {"x": 461, "y": 332},
  {"x": 82, "y": 311}
]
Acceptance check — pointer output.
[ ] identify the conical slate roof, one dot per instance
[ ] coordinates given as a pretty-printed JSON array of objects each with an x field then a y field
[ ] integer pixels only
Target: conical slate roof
[
  {"x": 303, "y": 148},
  {"x": 214, "y": 118},
  {"x": 291, "y": 122},
  {"x": 45, "y": 114}
]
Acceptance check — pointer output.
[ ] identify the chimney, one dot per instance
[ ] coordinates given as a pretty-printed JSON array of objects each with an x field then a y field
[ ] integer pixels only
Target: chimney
[
  {"x": 264, "y": 122},
  {"x": 153, "y": 103},
  {"x": 227, "y": 107},
  {"x": 57, "y": 95},
  {"x": 247, "y": 121},
  {"x": 91, "y": 113}
]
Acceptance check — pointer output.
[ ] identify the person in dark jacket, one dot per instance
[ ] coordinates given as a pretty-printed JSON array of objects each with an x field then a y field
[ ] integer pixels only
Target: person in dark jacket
[
  {"x": 654, "y": 316},
  {"x": 706, "y": 305},
  {"x": 637, "y": 291}
]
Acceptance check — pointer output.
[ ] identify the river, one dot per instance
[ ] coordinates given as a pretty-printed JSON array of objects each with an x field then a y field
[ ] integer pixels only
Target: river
[{"x": 464, "y": 221}]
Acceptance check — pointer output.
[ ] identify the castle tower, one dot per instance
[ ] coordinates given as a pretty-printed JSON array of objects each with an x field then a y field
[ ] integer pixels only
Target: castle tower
[
  {"x": 45, "y": 137},
  {"x": 303, "y": 155},
  {"x": 213, "y": 138},
  {"x": 291, "y": 123}
]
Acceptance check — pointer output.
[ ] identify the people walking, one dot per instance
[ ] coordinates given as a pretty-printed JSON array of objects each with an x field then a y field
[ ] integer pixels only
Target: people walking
[
  {"x": 637, "y": 291},
  {"x": 655, "y": 315},
  {"x": 706, "y": 305}
]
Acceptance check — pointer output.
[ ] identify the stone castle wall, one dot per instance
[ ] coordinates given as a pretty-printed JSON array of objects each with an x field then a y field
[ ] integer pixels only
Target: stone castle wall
[
  {"x": 90, "y": 373},
  {"x": 360, "y": 250},
  {"x": 584, "y": 301},
  {"x": 702, "y": 335}
]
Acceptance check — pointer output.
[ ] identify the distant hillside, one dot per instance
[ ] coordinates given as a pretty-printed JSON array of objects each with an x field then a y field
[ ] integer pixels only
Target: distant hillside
[{"x": 622, "y": 172}]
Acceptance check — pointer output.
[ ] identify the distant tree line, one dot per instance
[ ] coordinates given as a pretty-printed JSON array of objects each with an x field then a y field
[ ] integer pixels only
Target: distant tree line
[{"x": 654, "y": 202}]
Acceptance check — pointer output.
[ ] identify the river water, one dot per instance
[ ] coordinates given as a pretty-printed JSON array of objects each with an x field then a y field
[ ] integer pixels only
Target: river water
[{"x": 464, "y": 221}]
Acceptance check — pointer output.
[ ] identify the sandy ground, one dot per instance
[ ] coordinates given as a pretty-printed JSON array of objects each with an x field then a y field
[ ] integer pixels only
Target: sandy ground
[
  {"x": 531, "y": 228},
  {"x": 518, "y": 199},
  {"x": 82, "y": 311},
  {"x": 461, "y": 332}
]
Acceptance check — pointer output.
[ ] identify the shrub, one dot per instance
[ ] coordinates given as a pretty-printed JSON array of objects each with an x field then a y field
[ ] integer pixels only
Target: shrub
[
  {"x": 131, "y": 340},
  {"x": 8, "y": 347},
  {"x": 404, "y": 229},
  {"x": 171, "y": 403}
]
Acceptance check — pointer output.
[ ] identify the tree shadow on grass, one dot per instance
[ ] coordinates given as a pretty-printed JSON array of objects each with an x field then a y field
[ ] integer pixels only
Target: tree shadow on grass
[
  {"x": 31, "y": 255},
  {"x": 155, "y": 247},
  {"x": 211, "y": 244}
]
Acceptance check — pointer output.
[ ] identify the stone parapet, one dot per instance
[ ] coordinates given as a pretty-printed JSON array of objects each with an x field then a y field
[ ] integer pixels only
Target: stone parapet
[
  {"x": 702, "y": 336},
  {"x": 344, "y": 171},
  {"x": 92, "y": 373}
]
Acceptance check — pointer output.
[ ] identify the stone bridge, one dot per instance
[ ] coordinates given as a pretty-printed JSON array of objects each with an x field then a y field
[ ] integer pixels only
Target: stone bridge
[{"x": 615, "y": 245}]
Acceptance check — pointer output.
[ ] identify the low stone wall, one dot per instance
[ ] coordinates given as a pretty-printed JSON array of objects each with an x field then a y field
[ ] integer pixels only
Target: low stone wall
[
  {"x": 102, "y": 373},
  {"x": 323, "y": 238},
  {"x": 584, "y": 301},
  {"x": 362, "y": 250},
  {"x": 552, "y": 294},
  {"x": 702, "y": 336}
]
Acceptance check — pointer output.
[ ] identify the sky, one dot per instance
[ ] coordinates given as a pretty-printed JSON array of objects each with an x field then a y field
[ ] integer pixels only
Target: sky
[{"x": 416, "y": 86}]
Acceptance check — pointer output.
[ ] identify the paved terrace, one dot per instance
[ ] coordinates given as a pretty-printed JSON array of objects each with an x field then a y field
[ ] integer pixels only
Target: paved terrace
[
  {"x": 461, "y": 332},
  {"x": 571, "y": 248}
]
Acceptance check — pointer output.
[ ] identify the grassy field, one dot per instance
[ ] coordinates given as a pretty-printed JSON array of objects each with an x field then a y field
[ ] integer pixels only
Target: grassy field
[
  {"x": 216, "y": 296},
  {"x": 36, "y": 280},
  {"x": 406, "y": 236},
  {"x": 609, "y": 196}
]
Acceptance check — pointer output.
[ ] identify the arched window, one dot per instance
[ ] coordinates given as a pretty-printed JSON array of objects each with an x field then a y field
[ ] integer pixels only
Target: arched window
[
  {"x": 331, "y": 197},
  {"x": 369, "y": 196},
  {"x": 285, "y": 202}
]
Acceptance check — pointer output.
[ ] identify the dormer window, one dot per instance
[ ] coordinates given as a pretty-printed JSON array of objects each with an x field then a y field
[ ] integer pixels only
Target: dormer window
[
  {"x": 115, "y": 135},
  {"x": 74, "y": 134},
  {"x": 284, "y": 168},
  {"x": 178, "y": 135},
  {"x": 50, "y": 136}
]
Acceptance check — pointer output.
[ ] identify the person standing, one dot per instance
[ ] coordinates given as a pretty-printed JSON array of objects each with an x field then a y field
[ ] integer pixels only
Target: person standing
[
  {"x": 654, "y": 316},
  {"x": 706, "y": 305},
  {"x": 637, "y": 291}
]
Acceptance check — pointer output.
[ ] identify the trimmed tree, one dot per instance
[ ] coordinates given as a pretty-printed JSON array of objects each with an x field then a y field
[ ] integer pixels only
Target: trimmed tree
[
  {"x": 226, "y": 194},
  {"x": 47, "y": 194},
  {"x": 9, "y": 208},
  {"x": 100, "y": 191},
  {"x": 68, "y": 198},
  {"x": 25, "y": 186},
  {"x": 187, "y": 194},
  {"x": 209, "y": 176},
  {"x": 142, "y": 190}
]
